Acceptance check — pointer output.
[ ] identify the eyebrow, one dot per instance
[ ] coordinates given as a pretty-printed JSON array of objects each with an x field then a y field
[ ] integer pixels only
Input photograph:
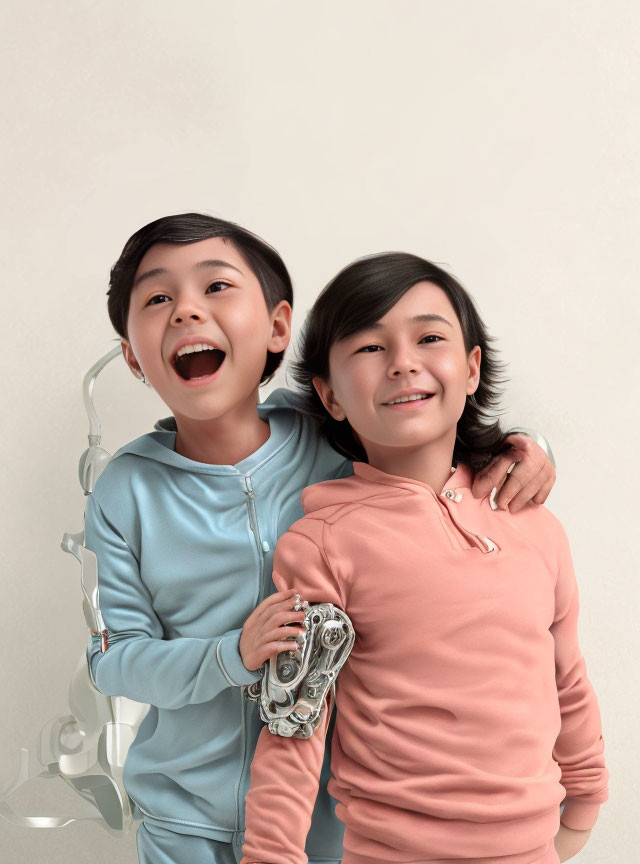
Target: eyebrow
[
  {"x": 201, "y": 265},
  {"x": 215, "y": 262},
  {"x": 417, "y": 319}
]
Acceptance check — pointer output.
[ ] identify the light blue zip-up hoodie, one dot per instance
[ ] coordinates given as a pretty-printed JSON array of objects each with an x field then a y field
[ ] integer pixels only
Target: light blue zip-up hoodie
[{"x": 184, "y": 555}]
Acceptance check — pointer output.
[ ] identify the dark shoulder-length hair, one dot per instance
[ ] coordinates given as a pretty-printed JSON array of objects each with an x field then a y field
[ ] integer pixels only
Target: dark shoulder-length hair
[{"x": 358, "y": 297}]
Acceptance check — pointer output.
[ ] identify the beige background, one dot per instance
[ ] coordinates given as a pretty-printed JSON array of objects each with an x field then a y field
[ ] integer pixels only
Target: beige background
[{"x": 497, "y": 137}]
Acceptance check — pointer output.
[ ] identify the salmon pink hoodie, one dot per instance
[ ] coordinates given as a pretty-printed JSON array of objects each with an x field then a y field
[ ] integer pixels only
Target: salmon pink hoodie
[{"x": 464, "y": 713}]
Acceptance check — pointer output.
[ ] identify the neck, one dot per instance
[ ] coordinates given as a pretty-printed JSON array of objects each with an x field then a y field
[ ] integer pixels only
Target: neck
[
  {"x": 429, "y": 463},
  {"x": 224, "y": 440}
]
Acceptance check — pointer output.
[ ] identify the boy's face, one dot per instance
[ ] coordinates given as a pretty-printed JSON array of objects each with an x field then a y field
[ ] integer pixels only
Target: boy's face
[
  {"x": 416, "y": 350},
  {"x": 190, "y": 297}
]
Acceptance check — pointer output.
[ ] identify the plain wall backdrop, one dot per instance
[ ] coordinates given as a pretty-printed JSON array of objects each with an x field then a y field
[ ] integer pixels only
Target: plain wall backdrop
[{"x": 498, "y": 137}]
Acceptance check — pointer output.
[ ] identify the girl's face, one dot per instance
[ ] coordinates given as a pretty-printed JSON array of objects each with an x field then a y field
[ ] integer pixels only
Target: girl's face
[{"x": 403, "y": 382}]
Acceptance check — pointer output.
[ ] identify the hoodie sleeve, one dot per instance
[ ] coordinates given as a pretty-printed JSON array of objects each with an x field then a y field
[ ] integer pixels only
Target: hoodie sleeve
[
  {"x": 139, "y": 662},
  {"x": 285, "y": 772},
  {"x": 579, "y": 748}
]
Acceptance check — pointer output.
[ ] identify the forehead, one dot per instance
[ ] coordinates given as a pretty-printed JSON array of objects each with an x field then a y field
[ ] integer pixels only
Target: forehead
[
  {"x": 179, "y": 258},
  {"x": 423, "y": 298}
]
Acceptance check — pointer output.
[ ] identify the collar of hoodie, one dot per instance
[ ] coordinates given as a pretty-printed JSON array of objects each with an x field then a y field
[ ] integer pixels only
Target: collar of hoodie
[{"x": 457, "y": 486}]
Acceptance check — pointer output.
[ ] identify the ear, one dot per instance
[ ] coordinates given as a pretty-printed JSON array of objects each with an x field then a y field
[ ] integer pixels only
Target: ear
[
  {"x": 280, "y": 327},
  {"x": 473, "y": 377},
  {"x": 130, "y": 359},
  {"x": 328, "y": 397}
]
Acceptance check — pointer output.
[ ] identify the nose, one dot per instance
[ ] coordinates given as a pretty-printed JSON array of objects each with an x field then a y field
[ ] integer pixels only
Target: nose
[
  {"x": 186, "y": 309},
  {"x": 403, "y": 362}
]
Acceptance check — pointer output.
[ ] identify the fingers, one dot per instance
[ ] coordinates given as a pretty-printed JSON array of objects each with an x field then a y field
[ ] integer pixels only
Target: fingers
[
  {"x": 541, "y": 496},
  {"x": 279, "y": 630},
  {"x": 262, "y": 653},
  {"x": 516, "y": 493},
  {"x": 278, "y": 634},
  {"x": 278, "y": 602},
  {"x": 530, "y": 476},
  {"x": 271, "y": 628},
  {"x": 536, "y": 490},
  {"x": 494, "y": 475},
  {"x": 509, "y": 488},
  {"x": 274, "y": 641},
  {"x": 288, "y": 616},
  {"x": 278, "y": 597},
  {"x": 272, "y": 648},
  {"x": 516, "y": 499}
]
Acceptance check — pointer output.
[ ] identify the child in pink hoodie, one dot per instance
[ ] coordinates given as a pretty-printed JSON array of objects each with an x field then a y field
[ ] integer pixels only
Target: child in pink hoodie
[{"x": 464, "y": 713}]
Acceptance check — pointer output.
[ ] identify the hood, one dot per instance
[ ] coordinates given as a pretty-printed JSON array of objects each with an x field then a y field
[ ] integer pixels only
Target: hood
[{"x": 159, "y": 445}]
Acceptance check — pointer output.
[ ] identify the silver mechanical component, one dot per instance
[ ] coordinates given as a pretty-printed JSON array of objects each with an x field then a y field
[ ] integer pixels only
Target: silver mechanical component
[
  {"x": 295, "y": 683},
  {"x": 86, "y": 748}
]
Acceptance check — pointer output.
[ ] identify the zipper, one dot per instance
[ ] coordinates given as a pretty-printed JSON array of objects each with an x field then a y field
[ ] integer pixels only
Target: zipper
[
  {"x": 246, "y": 705},
  {"x": 245, "y": 708},
  {"x": 253, "y": 524}
]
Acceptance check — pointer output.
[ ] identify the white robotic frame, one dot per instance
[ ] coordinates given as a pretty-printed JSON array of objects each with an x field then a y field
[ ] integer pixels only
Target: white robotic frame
[{"x": 87, "y": 747}]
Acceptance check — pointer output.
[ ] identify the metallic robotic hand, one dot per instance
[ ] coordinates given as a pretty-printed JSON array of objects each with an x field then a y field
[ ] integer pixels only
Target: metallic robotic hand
[
  {"x": 295, "y": 683},
  {"x": 87, "y": 747}
]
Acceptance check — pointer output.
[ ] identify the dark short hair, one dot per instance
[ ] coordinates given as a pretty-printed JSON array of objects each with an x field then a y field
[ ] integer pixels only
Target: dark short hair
[
  {"x": 264, "y": 261},
  {"x": 362, "y": 294}
]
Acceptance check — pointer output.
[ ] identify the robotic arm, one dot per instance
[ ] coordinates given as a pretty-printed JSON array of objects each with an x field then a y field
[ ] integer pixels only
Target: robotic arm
[{"x": 295, "y": 683}]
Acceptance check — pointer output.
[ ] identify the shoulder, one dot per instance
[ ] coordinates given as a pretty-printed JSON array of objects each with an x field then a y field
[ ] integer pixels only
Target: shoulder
[
  {"x": 331, "y": 501},
  {"x": 542, "y": 528},
  {"x": 281, "y": 398},
  {"x": 129, "y": 466},
  {"x": 538, "y": 520}
]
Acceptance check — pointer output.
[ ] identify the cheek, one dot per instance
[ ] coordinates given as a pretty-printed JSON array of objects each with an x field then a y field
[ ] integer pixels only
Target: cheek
[
  {"x": 142, "y": 341},
  {"x": 360, "y": 386},
  {"x": 245, "y": 322},
  {"x": 452, "y": 371}
]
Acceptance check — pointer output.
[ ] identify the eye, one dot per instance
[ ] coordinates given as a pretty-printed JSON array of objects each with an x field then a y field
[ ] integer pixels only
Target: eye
[
  {"x": 431, "y": 338},
  {"x": 156, "y": 299},
  {"x": 369, "y": 349},
  {"x": 217, "y": 286}
]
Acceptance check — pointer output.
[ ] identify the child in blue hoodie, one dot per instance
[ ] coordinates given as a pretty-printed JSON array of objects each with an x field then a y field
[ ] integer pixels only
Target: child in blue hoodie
[{"x": 184, "y": 521}]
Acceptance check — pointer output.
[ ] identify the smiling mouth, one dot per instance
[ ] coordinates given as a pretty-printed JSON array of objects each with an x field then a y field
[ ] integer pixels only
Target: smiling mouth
[
  {"x": 415, "y": 397},
  {"x": 203, "y": 361}
]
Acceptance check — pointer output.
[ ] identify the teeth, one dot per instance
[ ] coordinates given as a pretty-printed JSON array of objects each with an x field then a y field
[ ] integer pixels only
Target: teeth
[
  {"x": 191, "y": 349},
  {"x": 415, "y": 398}
]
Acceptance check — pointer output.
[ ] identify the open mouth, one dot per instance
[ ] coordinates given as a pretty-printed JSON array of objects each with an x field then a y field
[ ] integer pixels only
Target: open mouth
[{"x": 197, "y": 361}]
